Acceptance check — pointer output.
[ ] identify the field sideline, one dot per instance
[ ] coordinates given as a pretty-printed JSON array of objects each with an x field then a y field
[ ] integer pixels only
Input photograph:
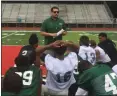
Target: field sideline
[{"x": 19, "y": 37}]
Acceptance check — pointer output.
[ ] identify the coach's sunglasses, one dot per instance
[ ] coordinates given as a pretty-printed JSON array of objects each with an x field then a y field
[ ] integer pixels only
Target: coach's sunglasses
[{"x": 55, "y": 11}]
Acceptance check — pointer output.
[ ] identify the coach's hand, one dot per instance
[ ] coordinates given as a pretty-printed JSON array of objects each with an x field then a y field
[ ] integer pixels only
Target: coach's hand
[{"x": 53, "y": 34}]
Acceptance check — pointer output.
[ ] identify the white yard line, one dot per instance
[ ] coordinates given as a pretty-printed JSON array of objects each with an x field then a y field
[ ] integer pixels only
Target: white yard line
[{"x": 9, "y": 34}]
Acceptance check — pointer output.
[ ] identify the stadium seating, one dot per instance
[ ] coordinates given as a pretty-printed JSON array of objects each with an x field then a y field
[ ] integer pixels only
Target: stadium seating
[
  {"x": 14, "y": 12},
  {"x": 30, "y": 13},
  {"x": 23, "y": 12},
  {"x": 71, "y": 13},
  {"x": 7, "y": 12}
]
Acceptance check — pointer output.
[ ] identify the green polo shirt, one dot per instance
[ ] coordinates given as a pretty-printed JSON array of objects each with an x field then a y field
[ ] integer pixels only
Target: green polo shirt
[{"x": 52, "y": 26}]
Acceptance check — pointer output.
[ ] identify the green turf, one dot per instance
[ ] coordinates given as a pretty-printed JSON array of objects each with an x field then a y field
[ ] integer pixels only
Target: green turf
[{"x": 21, "y": 38}]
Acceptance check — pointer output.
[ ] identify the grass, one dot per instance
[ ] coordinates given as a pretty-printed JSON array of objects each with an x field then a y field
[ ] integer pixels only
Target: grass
[{"x": 21, "y": 38}]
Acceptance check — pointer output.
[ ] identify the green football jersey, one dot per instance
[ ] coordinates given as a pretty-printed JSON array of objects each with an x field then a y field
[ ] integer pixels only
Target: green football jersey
[
  {"x": 31, "y": 79},
  {"x": 8, "y": 94},
  {"x": 99, "y": 80}
]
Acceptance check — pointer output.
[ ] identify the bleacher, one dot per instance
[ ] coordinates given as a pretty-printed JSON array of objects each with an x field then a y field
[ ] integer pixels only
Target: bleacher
[{"x": 70, "y": 13}]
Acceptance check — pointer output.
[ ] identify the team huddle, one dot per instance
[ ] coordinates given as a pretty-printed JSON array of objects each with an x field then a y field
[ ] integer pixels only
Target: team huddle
[{"x": 73, "y": 69}]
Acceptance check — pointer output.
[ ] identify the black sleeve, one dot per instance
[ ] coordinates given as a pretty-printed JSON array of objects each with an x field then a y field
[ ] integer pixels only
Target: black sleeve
[
  {"x": 104, "y": 45},
  {"x": 42, "y": 57}
]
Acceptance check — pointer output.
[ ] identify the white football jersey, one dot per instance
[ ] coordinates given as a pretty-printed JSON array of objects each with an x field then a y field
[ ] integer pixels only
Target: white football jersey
[
  {"x": 60, "y": 72},
  {"x": 87, "y": 53},
  {"x": 104, "y": 58}
]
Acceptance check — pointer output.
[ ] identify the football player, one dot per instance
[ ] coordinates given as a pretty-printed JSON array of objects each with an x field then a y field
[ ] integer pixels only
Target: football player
[
  {"x": 60, "y": 68},
  {"x": 31, "y": 75},
  {"x": 98, "y": 80},
  {"x": 85, "y": 51},
  {"x": 12, "y": 84},
  {"x": 27, "y": 49},
  {"x": 101, "y": 56}
]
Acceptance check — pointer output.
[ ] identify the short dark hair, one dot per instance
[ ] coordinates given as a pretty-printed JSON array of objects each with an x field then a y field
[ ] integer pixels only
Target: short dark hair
[
  {"x": 84, "y": 65},
  {"x": 84, "y": 40},
  {"x": 33, "y": 39},
  {"x": 92, "y": 43},
  {"x": 54, "y": 7},
  {"x": 103, "y": 34},
  {"x": 12, "y": 82},
  {"x": 60, "y": 50}
]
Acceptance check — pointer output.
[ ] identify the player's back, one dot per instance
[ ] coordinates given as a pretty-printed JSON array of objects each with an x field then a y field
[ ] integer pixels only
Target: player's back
[
  {"x": 25, "y": 50},
  {"x": 31, "y": 79},
  {"x": 29, "y": 52},
  {"x": 87, "y": 53},
  {"x": 60, "y": 72},
  {"x": 99, "y": 80},
  {"x": 103, "y": 56}
]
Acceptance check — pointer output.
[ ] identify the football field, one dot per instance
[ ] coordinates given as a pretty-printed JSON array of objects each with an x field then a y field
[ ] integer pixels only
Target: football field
[
  {"x": 21, "y": 37},
  {"x": 12, "y": 41}
]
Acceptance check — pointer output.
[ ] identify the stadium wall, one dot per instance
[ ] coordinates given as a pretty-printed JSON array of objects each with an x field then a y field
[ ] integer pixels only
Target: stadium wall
[
  {"x": 73, "y": 29},
  {"x": 73, "y": 25}
]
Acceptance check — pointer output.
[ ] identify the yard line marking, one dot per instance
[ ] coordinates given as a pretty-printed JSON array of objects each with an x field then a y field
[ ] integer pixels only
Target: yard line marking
[
  {"x": 20, "y": 34},
  {"x": 10, "y": 34},
  {"x": 4, "y": 33},
  {"x": 114, "y": 40}
]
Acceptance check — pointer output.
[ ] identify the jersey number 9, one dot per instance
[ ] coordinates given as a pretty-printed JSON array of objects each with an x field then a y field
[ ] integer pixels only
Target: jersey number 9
[{"x": 27, "y": 77}]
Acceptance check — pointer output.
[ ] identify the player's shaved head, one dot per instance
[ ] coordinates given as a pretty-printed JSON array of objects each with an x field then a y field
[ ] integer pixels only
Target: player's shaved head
[{"x": 84, "y": 40}]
